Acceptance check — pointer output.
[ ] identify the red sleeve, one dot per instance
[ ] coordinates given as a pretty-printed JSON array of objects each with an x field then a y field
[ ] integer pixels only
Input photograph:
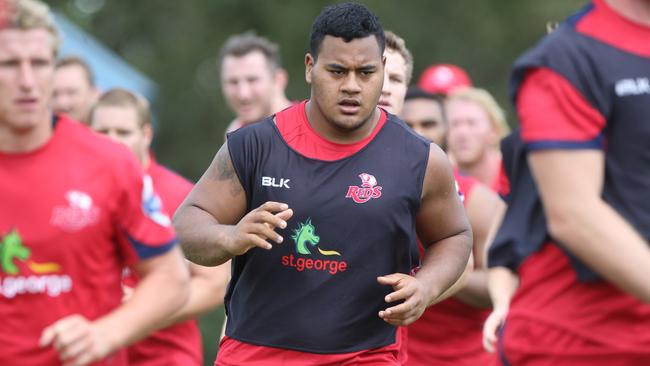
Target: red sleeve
[
  {"x": 554, "y": 115},
  {"x": 145, "y": 228}
]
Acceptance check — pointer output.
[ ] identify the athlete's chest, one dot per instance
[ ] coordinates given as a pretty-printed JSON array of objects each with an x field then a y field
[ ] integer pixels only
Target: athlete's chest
[
  {"x": 361, "y": 186},
  {"x": 54, "y": 206}
]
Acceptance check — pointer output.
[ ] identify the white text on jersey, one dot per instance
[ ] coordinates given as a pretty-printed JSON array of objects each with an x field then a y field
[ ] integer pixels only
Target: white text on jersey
[{"x": 270, "y": 182}]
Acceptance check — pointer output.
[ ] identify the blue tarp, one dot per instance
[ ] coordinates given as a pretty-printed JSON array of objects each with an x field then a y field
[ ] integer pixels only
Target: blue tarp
[{"x": 110, "y": 69}]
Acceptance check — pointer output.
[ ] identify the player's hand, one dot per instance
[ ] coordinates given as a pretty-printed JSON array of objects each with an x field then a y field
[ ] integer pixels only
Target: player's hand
[
  {"x": 409, "y": 289},
  {"x": 257, "y": 226},
  {"x": 77, "y": 340},
  {"x": 491, "y": 327}
]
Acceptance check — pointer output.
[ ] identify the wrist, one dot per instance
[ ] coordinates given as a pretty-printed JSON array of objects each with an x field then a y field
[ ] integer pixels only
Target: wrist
[{"x": 113, "y": 338}]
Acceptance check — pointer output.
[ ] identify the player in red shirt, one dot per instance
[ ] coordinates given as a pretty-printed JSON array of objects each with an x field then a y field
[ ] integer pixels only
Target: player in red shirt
[
  {"x": 583, "y": 98},
  {"x": 126, "y": 118},
  {"x": 75, "y": 210},
  {"x": 449, "y": 333},
  {"x": 476, "y": 125}
]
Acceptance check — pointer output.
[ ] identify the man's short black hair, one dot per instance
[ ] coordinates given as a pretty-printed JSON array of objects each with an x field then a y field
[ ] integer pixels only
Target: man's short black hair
[
  {"x": 348, "y": 21},
  {"x": 415, "y": 92}
]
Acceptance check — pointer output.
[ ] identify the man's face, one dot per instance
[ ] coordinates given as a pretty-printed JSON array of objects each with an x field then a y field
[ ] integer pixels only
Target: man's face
[
  {"x": 73, "y": 94},
  {"x": 394, "y": 90},
  {"x": 26, "y": 70},
  {"x": 425, "y": 117},
  {"x": 249, "y": 85},
  {"x": 471, "y": 134},
  {"x": 346, "y": 80},
  {"x": 121, "y": 124}
]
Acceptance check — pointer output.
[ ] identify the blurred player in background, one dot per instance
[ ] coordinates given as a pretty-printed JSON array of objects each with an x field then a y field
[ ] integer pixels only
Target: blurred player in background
[{"x": 75, "y": 210}]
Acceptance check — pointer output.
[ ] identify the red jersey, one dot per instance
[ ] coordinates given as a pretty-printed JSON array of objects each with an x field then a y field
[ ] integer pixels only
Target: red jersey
[
  {"x": 555, "y": 317},
  {"x": 74, "y": 213},
  {"x": 179, "y": 344},
  {"x": 448, "y": 333}
]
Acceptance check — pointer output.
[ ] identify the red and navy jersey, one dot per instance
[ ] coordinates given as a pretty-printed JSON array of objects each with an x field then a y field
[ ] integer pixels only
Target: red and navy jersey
[
  {"x": 354, "y": 220},
  {"x": 591, "y": 79},
  {"x": 448, "y": 333},
  {"x": 585, "y": 86},
  {"x": 74, "y": 213},
  {"x": 595, "y": 80},
  {"x": 179, "y": 344}
]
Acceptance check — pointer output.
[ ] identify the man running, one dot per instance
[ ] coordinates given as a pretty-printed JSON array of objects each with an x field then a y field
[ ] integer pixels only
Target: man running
[
  {"x": 349, "y": 190},
  {"x": 75, "y": 211}
]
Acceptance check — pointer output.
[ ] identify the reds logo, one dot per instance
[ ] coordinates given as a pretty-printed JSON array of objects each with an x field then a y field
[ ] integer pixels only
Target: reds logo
[{"x": 369, "y": 189}]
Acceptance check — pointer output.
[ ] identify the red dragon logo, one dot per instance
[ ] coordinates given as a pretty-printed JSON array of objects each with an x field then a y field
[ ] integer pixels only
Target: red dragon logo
[{"x": 368, "y": 189}]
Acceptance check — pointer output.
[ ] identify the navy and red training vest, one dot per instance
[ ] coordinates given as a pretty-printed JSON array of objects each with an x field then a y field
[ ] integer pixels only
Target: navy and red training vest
[{"x": 354, "y": 220}]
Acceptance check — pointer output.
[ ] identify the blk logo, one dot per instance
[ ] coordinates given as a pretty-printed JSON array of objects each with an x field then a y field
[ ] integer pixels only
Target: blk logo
[
  {"x": 368, "y": 189},
  {"x": 272, "y": 182}
]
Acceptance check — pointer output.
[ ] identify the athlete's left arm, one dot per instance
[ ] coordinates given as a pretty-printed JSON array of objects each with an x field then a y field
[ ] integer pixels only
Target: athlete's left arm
[
  {"x": 162, "y": 291},
  {"x": 446, "y": 234}
]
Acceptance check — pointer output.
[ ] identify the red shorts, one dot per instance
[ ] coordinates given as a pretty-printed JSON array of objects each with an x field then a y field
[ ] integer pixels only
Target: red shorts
[
  {"x": 235, "y": 353},
  {"x": 556, "y": 320}
]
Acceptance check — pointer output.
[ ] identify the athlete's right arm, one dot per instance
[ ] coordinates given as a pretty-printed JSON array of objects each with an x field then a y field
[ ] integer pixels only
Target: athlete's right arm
[
  {"x": 212, "y": 223},
  {"x": 481, "y": 206},
  {"x": 502, "y": 284},
  {"x": 570, "y": 182}
]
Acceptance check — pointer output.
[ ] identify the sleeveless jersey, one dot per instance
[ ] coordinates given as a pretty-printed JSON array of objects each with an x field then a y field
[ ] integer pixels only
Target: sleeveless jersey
[{"x": 354, "y": 220}]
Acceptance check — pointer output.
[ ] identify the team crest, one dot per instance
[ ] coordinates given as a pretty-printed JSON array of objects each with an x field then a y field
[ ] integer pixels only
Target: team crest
[
  {"x": 79, "y": 212},
  {"x": 368, "y": 189}
]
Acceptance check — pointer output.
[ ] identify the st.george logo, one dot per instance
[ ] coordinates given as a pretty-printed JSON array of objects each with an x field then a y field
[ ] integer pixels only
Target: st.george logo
[
  {"x": 368, "y": 189},
  {"x": 22, "y": 275},
  {"x": 324, "y": 261}
]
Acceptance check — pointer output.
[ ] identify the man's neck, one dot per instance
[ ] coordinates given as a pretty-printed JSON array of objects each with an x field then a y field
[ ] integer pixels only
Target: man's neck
[
  {"x": 484, "y": 170},
  {"x": 280, "y": 103},
  {"x": 14, "y": 141},
  {"x": 332, "y": 133},
  {"x": 637, "y": 11}
]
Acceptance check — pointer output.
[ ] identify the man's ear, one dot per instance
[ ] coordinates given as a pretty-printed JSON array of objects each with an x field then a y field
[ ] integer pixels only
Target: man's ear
[
  {"x": 309, "y": 67},
  {"x": 147, "y": 133},
  {"x": 281, "y": 78}
]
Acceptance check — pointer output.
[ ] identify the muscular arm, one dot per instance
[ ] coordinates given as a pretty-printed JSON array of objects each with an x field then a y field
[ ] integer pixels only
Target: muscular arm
[
  {"x": 570, "y": 184},
  {"x": 212, "y": 222},
  {"x": 482, "y": 204},
  {"x": 203, "y": 220},
  {"x": 442, "y": 227}
]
